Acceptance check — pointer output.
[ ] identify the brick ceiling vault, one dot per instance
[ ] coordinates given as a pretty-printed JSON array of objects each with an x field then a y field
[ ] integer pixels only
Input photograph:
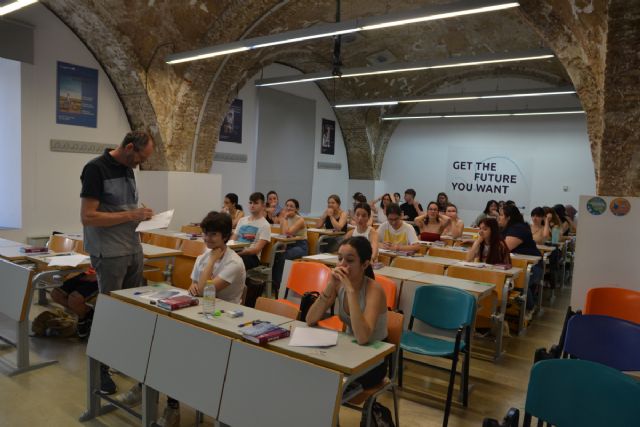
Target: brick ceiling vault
[{"x": 595, "y": 42}]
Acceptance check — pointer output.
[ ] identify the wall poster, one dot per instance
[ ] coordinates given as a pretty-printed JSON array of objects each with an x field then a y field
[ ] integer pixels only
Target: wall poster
[
  {"x": 77, "y": 95},
  {"x": 231, "y": 129},
  {"x": 328, "y": 137}
]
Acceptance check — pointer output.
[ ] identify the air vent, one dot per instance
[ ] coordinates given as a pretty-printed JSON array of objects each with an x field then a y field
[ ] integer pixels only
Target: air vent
[
  {"x": 85, "y": 147},
  {"x": 329, "y": 165},
  {"x": 230, "y": 157}
]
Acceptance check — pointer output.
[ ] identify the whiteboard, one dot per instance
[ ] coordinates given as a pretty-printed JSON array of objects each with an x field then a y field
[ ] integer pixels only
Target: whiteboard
[{"x": 606, "y": 249}]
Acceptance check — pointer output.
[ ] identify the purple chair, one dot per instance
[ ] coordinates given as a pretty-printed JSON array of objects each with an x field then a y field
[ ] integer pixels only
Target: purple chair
[{"x": 603, "y": 339}]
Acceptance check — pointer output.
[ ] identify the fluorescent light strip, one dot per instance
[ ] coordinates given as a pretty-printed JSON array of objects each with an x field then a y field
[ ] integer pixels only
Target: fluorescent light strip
[
  {"x": 441, "y": 16},
  {"x": 16, "y": 5},
  {"x": 431, "y": 13},
  {"x": 453, "y": 97},
  {"x": 483, "y": 114},
  {"x": 406, "y": 67}
]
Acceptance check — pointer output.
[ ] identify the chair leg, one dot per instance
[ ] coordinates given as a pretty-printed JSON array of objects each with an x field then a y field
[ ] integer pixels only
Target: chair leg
[
  {"x": 452, "y": 379},
  {"x": 368, "y": 411},
  {"x": 395, "y": 404},
  {"x": 465, "y": 379},
  {"x": 400, "y": 368}
]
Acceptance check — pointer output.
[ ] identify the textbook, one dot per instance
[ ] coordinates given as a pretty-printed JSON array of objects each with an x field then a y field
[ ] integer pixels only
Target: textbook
[
  {"x": 177, "y": 302},
  {"x": 34, "y": 249},
  {"x": 264, "y": 332}
]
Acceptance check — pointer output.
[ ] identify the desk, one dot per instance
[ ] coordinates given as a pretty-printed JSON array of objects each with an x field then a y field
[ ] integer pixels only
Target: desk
[
  {"x": 269, "y": 377},
  {"x": 13, "y": 253},
  {"x": 317, "y": 236},
  {"x": 4, "y": 243}
]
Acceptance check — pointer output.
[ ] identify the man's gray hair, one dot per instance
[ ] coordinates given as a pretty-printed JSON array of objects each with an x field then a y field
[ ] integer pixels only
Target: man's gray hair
[{"x": 138, "y": 138}]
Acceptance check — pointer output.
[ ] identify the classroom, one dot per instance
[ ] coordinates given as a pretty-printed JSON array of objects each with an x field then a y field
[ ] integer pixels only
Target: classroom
[{"x": 483, "y": 148}]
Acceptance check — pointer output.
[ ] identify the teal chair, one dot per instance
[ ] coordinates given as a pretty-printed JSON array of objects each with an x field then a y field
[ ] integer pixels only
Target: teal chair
[
  {"x": 443, "y": 308},
  {"x": 578, "y": 393}
]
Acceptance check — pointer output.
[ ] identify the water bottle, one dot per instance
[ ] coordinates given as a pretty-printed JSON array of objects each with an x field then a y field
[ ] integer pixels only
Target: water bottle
[{"x": 209, "y": 300}]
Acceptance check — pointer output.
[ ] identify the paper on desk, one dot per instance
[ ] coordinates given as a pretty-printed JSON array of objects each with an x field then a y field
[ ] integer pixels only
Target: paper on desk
[
  {"x": 313, "y": 337},
  {"x": 160, "y": 220},
  {"x": 67, "y": 260},
  {"x": 472, "y": 264},
  {"x": 321, "y": 256}
]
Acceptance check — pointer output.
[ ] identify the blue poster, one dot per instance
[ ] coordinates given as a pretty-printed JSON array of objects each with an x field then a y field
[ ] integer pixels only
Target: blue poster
[{"x": 77, "y": 96}]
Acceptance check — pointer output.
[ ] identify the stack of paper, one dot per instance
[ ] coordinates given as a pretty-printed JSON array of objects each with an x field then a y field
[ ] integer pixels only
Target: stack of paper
[
  {"x": 160, "y": 220},
  {"x": 313, "y": 337},
  {"x": 72, "y": 260}
]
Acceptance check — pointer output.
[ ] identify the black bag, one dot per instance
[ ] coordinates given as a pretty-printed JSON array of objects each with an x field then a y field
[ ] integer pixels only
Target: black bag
[
  {"x": 306, "y": 302},
  {"x": 380, "y": 417},
  {"x": 255, "y": 288}
]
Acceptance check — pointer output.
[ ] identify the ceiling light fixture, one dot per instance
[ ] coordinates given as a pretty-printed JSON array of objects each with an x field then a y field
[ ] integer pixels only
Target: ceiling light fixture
[
  {"x": 497, "y": 113},
  {"x": 464, "y": 96},
  {"x": 18, "y": 4},
  {"x": 494, "y": 58},
  {"x": 431, "y": 13}
]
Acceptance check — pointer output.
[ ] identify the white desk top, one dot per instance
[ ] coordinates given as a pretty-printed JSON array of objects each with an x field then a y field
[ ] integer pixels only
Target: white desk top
[
  {"x": 324, "y": 231},
  {"x": 4, "y": 243},
  {"x": 152, "y": 251},
  {"x": 324, "y": 258},
  {"x": 396, "y": 273},
  {"x": 12, "y": 253},
  {"x": 478, "y": 289}
]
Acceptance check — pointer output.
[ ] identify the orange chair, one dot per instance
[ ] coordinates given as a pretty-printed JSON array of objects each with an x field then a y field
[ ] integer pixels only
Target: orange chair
[
  {"x": 306, "y": 277},
  {"x": 59, "y": 243},
  {"x": 365, "y": 399},
  {"x": 447, "y": 253},
  {"x": 389, "y": 288},
  {"x": 181, "y": 274},
  {"x": 193, "y": 248},
  {"x": 615, "y": 302},
  {"x": 165, "y": 241},
  {"x": 276, "y": 307},
  {"x": 417, "y": 265}
]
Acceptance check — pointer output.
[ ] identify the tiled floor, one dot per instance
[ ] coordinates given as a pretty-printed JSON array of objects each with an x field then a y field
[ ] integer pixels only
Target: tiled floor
[{"x": 55, "y": 395}]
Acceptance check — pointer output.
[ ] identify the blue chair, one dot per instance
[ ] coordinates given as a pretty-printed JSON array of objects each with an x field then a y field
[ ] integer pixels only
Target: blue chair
[
  {"x": 577, "y": 393},
  {"x": 443, "y": 308},
  {"x": 603, "y": 339}
]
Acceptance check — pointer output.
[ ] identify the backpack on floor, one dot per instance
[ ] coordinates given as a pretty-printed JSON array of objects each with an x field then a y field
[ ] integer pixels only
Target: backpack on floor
[
  {"x": 56, "y": 323},
  {"x": 380, "y": 417}
]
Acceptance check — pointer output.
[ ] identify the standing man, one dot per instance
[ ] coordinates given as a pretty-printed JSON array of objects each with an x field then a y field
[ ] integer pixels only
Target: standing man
[{"x": 110, "y": 214}]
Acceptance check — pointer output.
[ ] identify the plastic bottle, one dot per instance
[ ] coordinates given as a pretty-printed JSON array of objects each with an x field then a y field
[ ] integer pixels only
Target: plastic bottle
[{"x": 209, "y": 300}]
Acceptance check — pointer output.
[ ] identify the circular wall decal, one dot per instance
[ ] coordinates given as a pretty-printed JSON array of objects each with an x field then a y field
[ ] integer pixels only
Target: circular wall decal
[
  {"x": 596, "y": 206},
  {"x": 620, "y": 206}
]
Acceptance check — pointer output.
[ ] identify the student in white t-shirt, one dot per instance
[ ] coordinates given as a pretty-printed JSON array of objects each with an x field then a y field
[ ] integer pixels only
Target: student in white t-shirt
[
  {"x": 253, "y": 229},
  {"x": 225, "y": 268},
  {"x": 395, "y": 234}
]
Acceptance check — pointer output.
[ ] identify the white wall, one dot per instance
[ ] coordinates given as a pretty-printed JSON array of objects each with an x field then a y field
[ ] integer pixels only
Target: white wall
[
  {"x": 10, "y": 160},
  {"x": 557, "y": 145},
  {"x": 240, "y": 177},
  {"x": 51, "y": 180}
]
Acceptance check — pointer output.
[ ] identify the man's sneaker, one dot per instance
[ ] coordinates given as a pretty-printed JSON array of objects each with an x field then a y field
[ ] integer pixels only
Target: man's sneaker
[
  {"x": 107, "y": 386},
  {"x": 170, "y": 417},
  {"x": 131, "y": 398}
]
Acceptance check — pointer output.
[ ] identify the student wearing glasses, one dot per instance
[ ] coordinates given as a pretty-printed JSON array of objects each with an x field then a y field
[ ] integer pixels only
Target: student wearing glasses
[{"x": 395, "y": 234}]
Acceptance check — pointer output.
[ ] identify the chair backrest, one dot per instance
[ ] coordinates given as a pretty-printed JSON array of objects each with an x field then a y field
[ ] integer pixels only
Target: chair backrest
[
  {"x": 417, "y": 265},
  {"x": 193, "y": 248},
  {"x": 191, "y": 229},
  {"x": 308, "y": 277},
  {"x": 447, "y": 253},
  {"x": 59, "y": 243},
  {"x": 478, "y": 275},
  {"x": 443, "y": 307},
  {"x": 395, "y": 321},
  {"x": 165, "y": 241},
  {"x": 265, "y": 255},
  {"x": 571, "y": 392},
  {"x": 615, "y": 302},
  {"x": 603, "y": 339},
  {"x": 181, "y": 273},
  {"x": 389, "y": 287},
  {"x": 276, "y": 307}
]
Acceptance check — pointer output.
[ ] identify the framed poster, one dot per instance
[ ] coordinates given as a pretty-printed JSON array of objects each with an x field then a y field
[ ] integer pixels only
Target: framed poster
[
  {"x": 231, "y": 129},
  {"x": 76, "y": 95},
  {"x": 328, "y": 138}
]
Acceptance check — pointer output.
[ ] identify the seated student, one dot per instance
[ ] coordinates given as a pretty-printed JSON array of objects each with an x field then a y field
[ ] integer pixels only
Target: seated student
[
  {"x": 517, "y": 235},
  {"x": 396, "y": 198},
  {"x": 555, "y": 223},
  {"x": 410, "y": 208},
  {"x": 456, "y": 226},
  {"x": 540, "y": 225},
  {"x": 443, "y": 201},
  {"x": 363, "y": 227},
  {"x": 225, "y": 268},
  {"x": 491, "y": 210},
  {"x": 490, "y": 247},
  {"x": 361, "y": 301},
  {"x": 358, "y": 197},
  {"x": 572, "y": 217},
  {"x": 74, "y": 294},
  {"x": 291, "y": 224},
  {"x": 565, "y": 223},
  {"x": 395, "y": 234},
  {"x": 273, "y": 208},
  {"x": 381, "y": 211},
  {"x": 232, "y": 208},
  {"x": 432, "y": 224},
  {"x": 333, "y": 218},
  {"x": 253, "y": 229}
]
